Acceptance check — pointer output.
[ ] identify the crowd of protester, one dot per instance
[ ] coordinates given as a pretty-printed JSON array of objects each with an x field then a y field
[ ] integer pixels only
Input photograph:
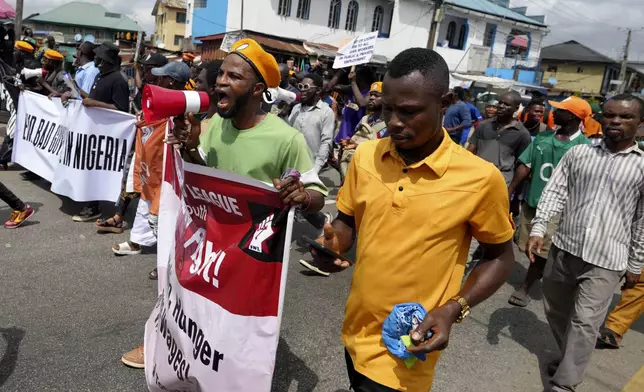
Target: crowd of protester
[{"x": 398, "y": 144}]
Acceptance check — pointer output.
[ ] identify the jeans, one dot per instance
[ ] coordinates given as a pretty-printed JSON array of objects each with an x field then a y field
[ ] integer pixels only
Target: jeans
[{"x": 12, "y": 200}]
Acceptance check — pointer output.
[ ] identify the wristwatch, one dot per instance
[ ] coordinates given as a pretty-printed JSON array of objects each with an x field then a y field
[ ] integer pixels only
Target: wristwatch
[{"x": 465, "y": 308}]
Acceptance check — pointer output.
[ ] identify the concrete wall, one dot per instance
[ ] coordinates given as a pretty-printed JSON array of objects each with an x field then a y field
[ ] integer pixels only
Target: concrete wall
[
  {"x": 588, "y": 81},
  {"x": 409, "y": 24},
  {"x": 166, "y": 26},
  {"x": 212, "y": 19}
]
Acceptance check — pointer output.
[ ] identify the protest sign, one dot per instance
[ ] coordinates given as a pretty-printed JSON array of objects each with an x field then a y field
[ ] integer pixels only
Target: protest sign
[
  {"x": 81, "y": 151},
  {"x": 222, "y": 273},
  {"x": 358, "y": 51}
]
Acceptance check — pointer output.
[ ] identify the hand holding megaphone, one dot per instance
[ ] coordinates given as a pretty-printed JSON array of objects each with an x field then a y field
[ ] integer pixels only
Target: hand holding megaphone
[
  {"x": 160, "y": 103},
  {"x": 29, "y": 73},
  {"x": 187, "y": 130}
]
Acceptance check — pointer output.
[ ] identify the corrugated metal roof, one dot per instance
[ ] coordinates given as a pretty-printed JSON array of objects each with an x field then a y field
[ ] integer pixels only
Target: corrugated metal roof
[
  {"x": 268, "y": 42},
  {"x": 573, "y": 51},
  {"x": 279, "y": 45},
  {"x": 488, "y": 7},
  {"x": 174, "y": 3},
  {"x": 86, "y": 14}
]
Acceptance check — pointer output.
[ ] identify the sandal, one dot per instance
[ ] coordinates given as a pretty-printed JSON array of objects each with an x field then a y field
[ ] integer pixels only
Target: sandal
[
  {"x": 110, "y": 226},
  {"x": 608, "y": 339},
  {"x": 125, "y": 249},
  {"x": 519, "y": 298}
]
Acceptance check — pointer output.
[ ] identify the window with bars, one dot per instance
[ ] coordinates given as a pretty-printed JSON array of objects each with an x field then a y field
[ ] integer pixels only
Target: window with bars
[
  {"x": 201, "y": 3},
  {"x": 352, "y": 16},
  {"x": 303, "y": 9},
  {"x": 462, "y": 35},
  {"x": 181, "y": 17},
  {"x": 377, "y": 19},
  {"x": 488, "y": 36},
  {"x": 284, "y": 8},
  {"x": 451, "y": 33},
  {"x": 334, "y": 14}
]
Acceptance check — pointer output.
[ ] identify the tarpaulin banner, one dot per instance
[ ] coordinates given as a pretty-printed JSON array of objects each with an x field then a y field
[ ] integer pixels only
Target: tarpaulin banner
[
  {"x": 81, "y": 151},
  {"x": 222, "y": 263}
]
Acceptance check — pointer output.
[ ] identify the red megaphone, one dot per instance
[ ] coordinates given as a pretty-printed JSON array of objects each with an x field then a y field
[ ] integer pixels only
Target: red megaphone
[{"x": 159, "y": 103}]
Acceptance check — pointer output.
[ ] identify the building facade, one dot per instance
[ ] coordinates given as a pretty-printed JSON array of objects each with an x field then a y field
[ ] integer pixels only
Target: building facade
[
  {"x": 572, "y": 67},
  {"x": 85, "y": 19},
  {"x": 170, "y": 20},
  {"x": 484, "y": 37}
]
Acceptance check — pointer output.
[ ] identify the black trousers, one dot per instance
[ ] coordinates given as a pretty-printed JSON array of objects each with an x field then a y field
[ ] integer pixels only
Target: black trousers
[
  {"x": 360, "y": 383},
  {"x": 12, "y": 200}
]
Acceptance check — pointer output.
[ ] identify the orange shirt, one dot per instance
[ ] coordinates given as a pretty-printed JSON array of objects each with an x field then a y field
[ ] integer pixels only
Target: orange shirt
[
  {"x": 414, "y": 225},
  {"x": 551, "y": 118}
]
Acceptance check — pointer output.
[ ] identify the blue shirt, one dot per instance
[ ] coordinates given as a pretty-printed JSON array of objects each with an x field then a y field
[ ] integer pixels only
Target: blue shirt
[
  {"x": 476, "y": 116},
  {"x": 85, "y": 76},
  {"x": 456, "y": 115}
]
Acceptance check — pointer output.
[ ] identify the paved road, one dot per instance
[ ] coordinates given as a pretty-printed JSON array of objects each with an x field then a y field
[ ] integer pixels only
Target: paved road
[{"x": 69, "y": 308}]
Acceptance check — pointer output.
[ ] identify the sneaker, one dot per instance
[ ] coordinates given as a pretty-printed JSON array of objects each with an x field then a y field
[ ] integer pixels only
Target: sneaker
[
  {"x": 17, "y": 218},
  {"x": 87, "y": 214},
  {"x": 134, "y": 358}
]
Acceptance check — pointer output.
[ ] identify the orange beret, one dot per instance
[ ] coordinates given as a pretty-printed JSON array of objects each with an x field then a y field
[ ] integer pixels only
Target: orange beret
[
  {"x": 262, "y": 62},
  {"x": 53, "y": 55},
  {"x": 24, "y": 46},
  {"x": 377, "y": 87}
]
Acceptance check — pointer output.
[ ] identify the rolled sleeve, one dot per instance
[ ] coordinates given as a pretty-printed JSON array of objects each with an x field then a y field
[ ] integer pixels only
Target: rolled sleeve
[
  {"x": 491, "y": 222},
  {"x": 298, "y": 157},
  {"x": 553, "y": 198},
  {"x": 346, "y": 195}
]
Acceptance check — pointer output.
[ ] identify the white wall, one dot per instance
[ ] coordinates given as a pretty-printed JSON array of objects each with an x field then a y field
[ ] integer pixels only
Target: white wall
[
  {"x": 500, "y": 43},
  {"x": 189, "y": 17},
  {"x": 476, "y": 33},
  {"x": 409, "y": 27}
]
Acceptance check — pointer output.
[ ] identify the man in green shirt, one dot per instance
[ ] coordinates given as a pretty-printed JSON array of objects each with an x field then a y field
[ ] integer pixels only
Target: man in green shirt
[
  {"x": 245, "y": 140},
  {"x": 537, "y": 163}
]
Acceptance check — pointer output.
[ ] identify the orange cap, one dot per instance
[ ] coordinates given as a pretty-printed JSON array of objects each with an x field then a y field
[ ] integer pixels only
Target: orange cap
[
  {"x": 262, "y": 62},
  {"x": 376, "y": 86},
  {"x": 574, "y": 105},
  {"x": 53, "y": 55},
  {"x": 24, "y": 46}
]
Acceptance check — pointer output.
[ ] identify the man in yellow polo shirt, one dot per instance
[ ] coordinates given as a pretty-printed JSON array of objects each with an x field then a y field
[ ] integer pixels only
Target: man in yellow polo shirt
[{"x": 414, "y": 201}]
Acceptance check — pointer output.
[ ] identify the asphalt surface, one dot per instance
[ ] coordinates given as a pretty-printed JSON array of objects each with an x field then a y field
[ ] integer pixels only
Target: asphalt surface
[{"x": 69, "y": 309}]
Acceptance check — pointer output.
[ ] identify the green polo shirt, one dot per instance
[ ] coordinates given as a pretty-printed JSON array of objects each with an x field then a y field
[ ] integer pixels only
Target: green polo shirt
[
  {"x": 542, "y": 157},
  {"x": 263, "y": 152}
]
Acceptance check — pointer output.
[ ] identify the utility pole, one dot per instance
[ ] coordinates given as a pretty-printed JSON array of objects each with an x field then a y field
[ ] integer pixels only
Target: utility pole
[
  {"x": 622, "y": 72},
  {"x": 437, "y": 15},
  {"x": 241, "y": 27},
  {"x": 17, "y": 26}
]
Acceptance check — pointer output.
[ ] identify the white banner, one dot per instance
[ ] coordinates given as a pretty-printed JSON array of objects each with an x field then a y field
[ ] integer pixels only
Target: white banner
[
  {"x": 359, "y": 51},
  {"x": 222, "y": 274},
  {"x": 81, "y": 151}
]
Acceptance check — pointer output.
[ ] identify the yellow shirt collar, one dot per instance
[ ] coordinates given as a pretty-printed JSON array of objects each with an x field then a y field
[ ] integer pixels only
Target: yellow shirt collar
[{"x": 437, "y": 161}]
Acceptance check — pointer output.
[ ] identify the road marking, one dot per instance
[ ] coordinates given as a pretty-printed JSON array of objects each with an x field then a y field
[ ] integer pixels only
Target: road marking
[{"x": 329, "y": 202}]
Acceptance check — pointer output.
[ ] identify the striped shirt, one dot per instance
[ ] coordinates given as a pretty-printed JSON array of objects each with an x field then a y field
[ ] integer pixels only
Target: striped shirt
[{"x": 601, "y": 195}]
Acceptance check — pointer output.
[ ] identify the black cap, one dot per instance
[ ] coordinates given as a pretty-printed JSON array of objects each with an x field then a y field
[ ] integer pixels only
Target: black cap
[
  {"x": 154, "y": 59},
  {"x": 108, "y": 52}
]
